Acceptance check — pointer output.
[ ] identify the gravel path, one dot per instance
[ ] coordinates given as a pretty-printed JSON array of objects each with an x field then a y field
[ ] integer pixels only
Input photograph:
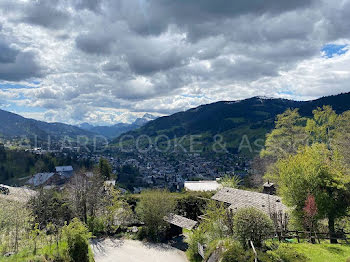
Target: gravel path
[{"x": 111, "y": 250}]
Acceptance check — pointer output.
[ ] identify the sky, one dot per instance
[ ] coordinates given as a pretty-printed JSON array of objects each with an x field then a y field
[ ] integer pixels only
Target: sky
[{"x": 108, "y": 61}]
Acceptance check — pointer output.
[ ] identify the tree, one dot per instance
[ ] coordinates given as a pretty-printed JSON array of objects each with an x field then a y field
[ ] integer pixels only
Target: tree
[
  {"x": 49, "y": 206},
  {"x": 77, "y": 236},
  {"x": 341, "y": 140},
  {"x": 152, "y": 208},
  {"x": 322, "y": 126},
  {"x": 104, "y": 169},
  {"x": 318, "y": 171},
  {"x": 251, "y": 224},
  {"x": 218, "y": 221},
  {"x": 2, "y": 152},
  {"x": 310, "y": 213},
  {"x": 230, "y": 181},
  {"x": 287, "y": 136},
  {"x": 86, "y": 194}
]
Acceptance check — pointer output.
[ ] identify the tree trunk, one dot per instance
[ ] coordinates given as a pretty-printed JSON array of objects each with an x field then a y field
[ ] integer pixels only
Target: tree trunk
[{"x": 331, "y": 229}]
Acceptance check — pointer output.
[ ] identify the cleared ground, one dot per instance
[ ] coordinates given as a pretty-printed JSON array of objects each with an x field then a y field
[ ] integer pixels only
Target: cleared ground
[
  {"x": 110, "y": 250},
  {"x": 20, "y": 194}
]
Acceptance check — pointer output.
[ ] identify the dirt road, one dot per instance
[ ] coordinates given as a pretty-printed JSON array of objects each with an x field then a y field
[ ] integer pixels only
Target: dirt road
[{"x": 111, "y": 250}]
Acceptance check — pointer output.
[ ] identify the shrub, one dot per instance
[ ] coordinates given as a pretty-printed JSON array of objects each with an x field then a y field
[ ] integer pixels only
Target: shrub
[
  {"x": 251, "y": 224},
  {"x": 96, "y": 225},
  {"x": 287, "y": 254},
  {"x": 153, "y": 206},
  {"x": 236, "y": 253},
  {"x": 196, "y": 237},
  {"x": 77, "y": 236}
]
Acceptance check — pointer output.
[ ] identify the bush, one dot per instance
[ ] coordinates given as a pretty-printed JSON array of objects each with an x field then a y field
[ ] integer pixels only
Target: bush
[
  {"x": 252, "y": 224},
  {"x": 153, "y": 206},
  {"x": 96, "y": 225},
  {"x": 77, "y": 236},
  {"x": 236, "y": 253},
  {"x": 192, "y": 252},
  {"x": 287, "y": 254}
]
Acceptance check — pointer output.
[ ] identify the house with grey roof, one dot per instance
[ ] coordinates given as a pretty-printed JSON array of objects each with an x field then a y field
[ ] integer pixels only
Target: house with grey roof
[
  {"x": 237, "y": 198},
  {"x": 40, "y": 179},
  {"x": 65, "y": 171}
]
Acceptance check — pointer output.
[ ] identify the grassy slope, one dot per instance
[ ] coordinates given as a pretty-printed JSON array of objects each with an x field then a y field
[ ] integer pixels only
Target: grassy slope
[{"x": 324, "y": 252}]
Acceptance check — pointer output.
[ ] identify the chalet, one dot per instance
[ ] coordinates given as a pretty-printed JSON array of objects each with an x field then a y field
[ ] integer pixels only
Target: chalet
[
  {"x": 40, "y": 179},
  {"x": 237, "y": 198},
  {"x": 62, "y": 174}
]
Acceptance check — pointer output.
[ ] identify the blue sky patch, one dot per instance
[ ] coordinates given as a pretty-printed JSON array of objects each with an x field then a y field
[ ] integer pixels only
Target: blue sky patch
[
  {"x": 331, "y": 50},
  {"x": 13, "y": 86}
]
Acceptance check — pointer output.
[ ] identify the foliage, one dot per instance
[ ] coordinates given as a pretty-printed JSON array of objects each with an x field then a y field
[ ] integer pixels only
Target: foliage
[
  {"x": 50, "y": 206},
  {"x": 194, "y": 238},
  {"x": 287, "y": 135},
  {"x": 152, "y": 208},
  {"x": 77, "y": 236},
  {"x": 230, "y": 181},
  {"x": 15, "y": 164},
  {"x": 252, "y": 224},
  {"x": 104, "y": 169},
  {"x": 287, "y": 253},
  {"x": 15, "y": 222},
  {"x": 322, "y": 126},
  {"x": 341, "y": 139},
  {"x": 192, "y": 204},
  {"x": 218, "y": 222},
  {"x": 128, "y": 176},
  {"x": 310, "y": 211},
  {"x": 318, "y": 171},
  {"x": 234, "y": 252}
]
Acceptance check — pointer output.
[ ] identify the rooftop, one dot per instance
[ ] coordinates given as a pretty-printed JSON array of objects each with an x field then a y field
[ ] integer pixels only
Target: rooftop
[
  {"x": 202, "y": 185},
  {"x": 64, "y": 168},
  {"x": 238, "y": 198},
  {"x": 180, "y": 221}
]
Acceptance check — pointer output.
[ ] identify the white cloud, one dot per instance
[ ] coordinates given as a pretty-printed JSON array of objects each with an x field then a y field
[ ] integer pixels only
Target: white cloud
[{"x": 113, "y": 61}]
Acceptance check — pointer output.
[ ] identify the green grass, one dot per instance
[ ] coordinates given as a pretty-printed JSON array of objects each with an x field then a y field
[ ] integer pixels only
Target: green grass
[
  {"x": 47, "y": 253},
  {"x": 324, "y": 252}
]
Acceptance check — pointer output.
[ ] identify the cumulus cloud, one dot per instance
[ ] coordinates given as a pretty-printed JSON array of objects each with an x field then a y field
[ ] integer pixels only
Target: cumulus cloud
[
  {"x": 16, "y": 65},
  {"x": 104, "y": 61}
]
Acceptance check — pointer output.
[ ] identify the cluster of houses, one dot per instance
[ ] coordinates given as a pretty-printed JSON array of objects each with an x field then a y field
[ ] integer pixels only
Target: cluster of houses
[{"x": 171, "y": 171}]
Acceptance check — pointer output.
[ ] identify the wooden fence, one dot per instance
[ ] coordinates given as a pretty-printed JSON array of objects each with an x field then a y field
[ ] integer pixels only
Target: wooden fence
[{"x": 284, "y": 235}]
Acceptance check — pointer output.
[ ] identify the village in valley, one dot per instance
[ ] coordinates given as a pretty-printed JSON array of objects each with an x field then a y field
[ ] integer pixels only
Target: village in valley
[
  {"x": 222, "y": 208},
  {"x": 174, "y": 131}
]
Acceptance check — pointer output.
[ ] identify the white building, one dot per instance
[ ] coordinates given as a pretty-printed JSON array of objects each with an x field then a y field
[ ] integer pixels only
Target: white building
[{"x": 202, "y": 185}]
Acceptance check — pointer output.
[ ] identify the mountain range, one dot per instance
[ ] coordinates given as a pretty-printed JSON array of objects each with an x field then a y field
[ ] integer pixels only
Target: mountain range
[
  {"x": 119, "y": 128},
  {"x": 13, "y": 125},
  {"x": 251, "y": 118}
]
